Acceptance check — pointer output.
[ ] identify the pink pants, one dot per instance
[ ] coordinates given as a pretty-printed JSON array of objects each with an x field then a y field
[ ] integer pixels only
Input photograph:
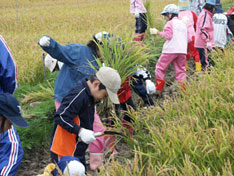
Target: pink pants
[
  {"x": 179, "y": 61},
  {"x": 97, "y": 146}
]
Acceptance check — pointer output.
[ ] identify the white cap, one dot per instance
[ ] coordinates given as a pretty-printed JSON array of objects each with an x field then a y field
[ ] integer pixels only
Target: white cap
[
  {"x": 74, "y": 168},
  {"x": 170, "y": 8},
  {"x": 50, "y": 63},
  {"x": 101, "y": 35},
  {"x": 111, "y": 80}
]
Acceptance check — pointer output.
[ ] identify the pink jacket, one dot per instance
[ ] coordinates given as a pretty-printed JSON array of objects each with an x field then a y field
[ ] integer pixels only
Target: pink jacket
[
  {"x": 187, "y": 17},
  {"x": 137, "y": 4},
  {"x": 175, "y": 32},
  {"x": 205, "y": 30}
]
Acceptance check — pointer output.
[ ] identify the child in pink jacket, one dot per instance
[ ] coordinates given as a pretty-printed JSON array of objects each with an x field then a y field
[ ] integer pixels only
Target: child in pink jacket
[
  {"x": 174, "y": 49},
  {"x": 204, "y": 38},
  {"x": 138, "y": 9},
  {"x": 190, "y": 19}
]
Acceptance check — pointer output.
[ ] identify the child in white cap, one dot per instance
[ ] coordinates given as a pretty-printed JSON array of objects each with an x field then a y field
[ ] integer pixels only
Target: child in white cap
[
  {"x": 11, "y": 151},
  {"x": 174, "y": 49},
  {"x": 73, "y": 130}
]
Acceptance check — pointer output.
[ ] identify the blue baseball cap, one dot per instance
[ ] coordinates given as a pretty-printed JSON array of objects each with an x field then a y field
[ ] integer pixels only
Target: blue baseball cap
[
  {"x": 211, "y": 2},
  {"x": 10, "y": 109}
]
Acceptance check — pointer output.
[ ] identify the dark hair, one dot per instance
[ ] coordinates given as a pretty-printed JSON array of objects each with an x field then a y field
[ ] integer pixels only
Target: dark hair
[
  {"x": 172, "y": 15},
  {"x": 209, "y": 7},
  {"x": 93, "y": 45},
  {"x": 92, "y": 78}
]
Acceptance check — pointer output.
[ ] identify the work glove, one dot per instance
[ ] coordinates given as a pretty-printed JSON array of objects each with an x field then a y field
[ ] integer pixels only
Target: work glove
[
  {"x": 87, "y": 136},
  {"x": 44, "y": 41},
  {"x": 153, "y": 31},
  {"x": 209, "y": 45},
  {"x": 137, "y": 14},
  {"x": 150, "y": 87}
]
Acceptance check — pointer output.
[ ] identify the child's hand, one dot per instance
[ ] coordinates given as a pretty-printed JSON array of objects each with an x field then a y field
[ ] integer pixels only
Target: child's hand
[
  {"x": 137, "y": 14},
  {"x": 87, "y": 136},
  {"x": 44, "y": 41},
  {"x": 153, "y": 31},
  {"x": 209, "y": 45}
]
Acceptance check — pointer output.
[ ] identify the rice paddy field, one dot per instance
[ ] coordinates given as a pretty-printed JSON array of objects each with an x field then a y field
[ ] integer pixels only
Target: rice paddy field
[{"x": 191, "y": 135}]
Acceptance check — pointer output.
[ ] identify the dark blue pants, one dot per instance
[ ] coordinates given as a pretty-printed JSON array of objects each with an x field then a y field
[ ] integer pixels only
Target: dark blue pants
[
  {"x": 141, "y": 23},
  {"x": 139, "y": 88}
]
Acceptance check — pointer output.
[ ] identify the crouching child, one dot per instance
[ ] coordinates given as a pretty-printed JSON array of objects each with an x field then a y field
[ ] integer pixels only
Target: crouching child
[{"x": 73, "y": 130}]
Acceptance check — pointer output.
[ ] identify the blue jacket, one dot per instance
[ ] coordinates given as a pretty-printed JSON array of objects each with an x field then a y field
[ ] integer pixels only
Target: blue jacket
[
  {"x": 11, "y": 152},
  {"x": 76, "y": 58},
  {"x": 8, "y": 76}
]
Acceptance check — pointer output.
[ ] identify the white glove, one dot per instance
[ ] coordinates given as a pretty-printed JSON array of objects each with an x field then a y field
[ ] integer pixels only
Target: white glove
[
  {"x": 150, "y": 87},
  {"x": 87, "y": 136},
  {"x": 44, "y": 41},
  {"x": 153, "y": 31},
  {"x": 137, "y": 14},
  {"x": 209, "y": 45}
]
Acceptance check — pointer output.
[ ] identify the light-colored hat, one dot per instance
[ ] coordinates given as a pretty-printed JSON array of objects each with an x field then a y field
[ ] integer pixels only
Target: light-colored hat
[
  {"x": 170, "y": 8},
  {"x": 51, "y": 63},
  {"x": 74, "y": 168},
  {"x": 184, "y": 5},
  {"x": 111, "y": 80},
  {"x": 211, "y": 2}
]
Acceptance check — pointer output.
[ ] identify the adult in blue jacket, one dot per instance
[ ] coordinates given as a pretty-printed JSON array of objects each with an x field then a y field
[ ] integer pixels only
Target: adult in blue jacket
[{"x": 8, "y": 71}]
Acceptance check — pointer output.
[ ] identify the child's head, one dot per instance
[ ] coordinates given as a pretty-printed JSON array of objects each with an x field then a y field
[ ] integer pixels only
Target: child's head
[
  {"x": 74, "y": 168},
  {"x": 106, "y": 82},
  {"x": 210, "y": 5},
  {"x": 170, "y": 11},
  {"x": 184, "y": 4},
  {"x": 10, "y": 112}
]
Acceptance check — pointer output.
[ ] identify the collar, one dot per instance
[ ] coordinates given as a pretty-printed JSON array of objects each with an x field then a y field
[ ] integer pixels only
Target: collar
[
  {"x": 84, "y": 83},
  {"x": 209, "y": 13}
]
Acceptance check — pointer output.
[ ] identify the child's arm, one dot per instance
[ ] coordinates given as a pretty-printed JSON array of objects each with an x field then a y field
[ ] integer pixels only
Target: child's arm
[
  {"x": 205, "y": 27},
  {"x": 71, "y": 106},
  {"x": 167, "y": 31},
  {"x": 57, "y": 51},
  {"x": 8, "y": 72}
]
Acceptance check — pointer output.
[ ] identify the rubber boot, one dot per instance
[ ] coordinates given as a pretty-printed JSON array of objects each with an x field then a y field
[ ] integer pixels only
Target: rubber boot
[
  {"x": 198, "y": 66},
  {"x": 160, "y": 84},
  {"x": 137, "y": 37},
  {"x": 95, "y": 160}
]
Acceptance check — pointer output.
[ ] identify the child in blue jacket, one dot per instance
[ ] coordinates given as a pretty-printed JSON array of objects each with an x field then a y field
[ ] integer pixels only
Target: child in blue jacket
[{"x": 11, "y": 151}]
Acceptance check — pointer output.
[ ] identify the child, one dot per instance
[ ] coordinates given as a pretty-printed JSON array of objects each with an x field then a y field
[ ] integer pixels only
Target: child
[
  {"x": 204, "y": 38},
  {"x": 137, "y": 8},
  {"x": 74, "y": 119},
  {"x": 11, "y": 151},
  {"x": 220, "y": 26},
  {"x": 8, "y": 69},
  {"x": 190, "y": 19},
  {"x": 174, "y": 49},
  {"x": 76, "y": 59}
]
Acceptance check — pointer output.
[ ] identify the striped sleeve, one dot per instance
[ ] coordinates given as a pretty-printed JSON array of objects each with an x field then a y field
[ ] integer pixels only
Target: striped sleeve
[
  {"x": 13, "y": 155},
  {"x": 8, "y": 69},
  {"x": 69, "y": 109}
]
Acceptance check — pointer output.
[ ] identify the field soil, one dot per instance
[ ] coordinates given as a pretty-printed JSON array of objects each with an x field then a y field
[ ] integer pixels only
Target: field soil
[{"x": 38, "y": 159}]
